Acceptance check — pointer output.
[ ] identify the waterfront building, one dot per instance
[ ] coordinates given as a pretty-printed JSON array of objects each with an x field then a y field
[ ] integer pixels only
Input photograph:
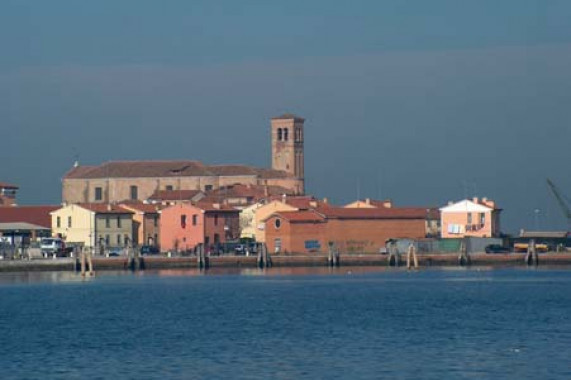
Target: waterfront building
[
  {"x": 7, "y": 194},
  {"x": 23, "y": 224},
  {"x": 352, "y": 230},
  {"x": 184, "y": 226},
  {"x": 93, "y": 224},
  {"x": 255, "y": 226},
  {"x": 146, "y": 225},
  {"x": 432, "y": 219},
  {"x": 118, "y": 181},
  {"x": 470, "y": 218}
]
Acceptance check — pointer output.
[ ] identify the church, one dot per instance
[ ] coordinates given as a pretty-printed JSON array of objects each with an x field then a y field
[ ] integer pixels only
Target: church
[{"x": 119, "y": 181}]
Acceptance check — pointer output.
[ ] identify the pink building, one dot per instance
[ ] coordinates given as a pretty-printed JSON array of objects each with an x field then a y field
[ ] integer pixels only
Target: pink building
[
  {"x": 184, "y": 226},
  {"x": 476, "y": 217}
]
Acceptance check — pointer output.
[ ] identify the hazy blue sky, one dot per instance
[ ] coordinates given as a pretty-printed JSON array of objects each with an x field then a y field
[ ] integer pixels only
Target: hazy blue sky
[{"x": 418, "y": 101}]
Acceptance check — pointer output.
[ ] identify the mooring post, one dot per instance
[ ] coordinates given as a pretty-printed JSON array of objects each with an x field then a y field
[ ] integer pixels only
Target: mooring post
[
  {"x": 200, "y": 255},
  {"x": 260, "y": 259},
  {"x": 531, "y": 257},
  {"x": 411, "y": 258},
  {"x": 82, "y": 261},
  {"x": 393, "y": 254},
  {"x": 464, "y": 257},
  {"x": 267, "y": 257},
  {"x": 330, "y": 254}
]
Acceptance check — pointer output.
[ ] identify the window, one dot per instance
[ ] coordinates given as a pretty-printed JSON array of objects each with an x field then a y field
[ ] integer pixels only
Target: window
[
  {"x": 58, "y": 222},
  {"x": 215, "y": 219},
  {"x": 69, "y": 221},
  {"x": 107, "y": 222},
  {"x": 126, "y": 240},
  {"x": 286, "y": 134},
  {"x": 194, "y": 219},
  {"x": 118, "y": 221},
  {"x": 156, "y": 221},
  {"x": 107, "y": 240},
  {"x": 183, "y": 221},
  {"x": 169, "y": 188},
  {"x": 119, "y": 240},
  {"x": 207, "y": 187},
  {"x": 469, "y": 218},
  {"x": 98, "y": 194},
  {"x": 134, "y": 193},
  {"x": 278, "y": 223},
  {"x": 278, "y": 245},
  {"x": 279, "y": 134},
  {"x": 216, "y": 238},
  {"x": 482, "y": 218}
]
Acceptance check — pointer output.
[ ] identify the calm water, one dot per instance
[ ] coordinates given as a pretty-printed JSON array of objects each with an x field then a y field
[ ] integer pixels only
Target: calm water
[{"x": 313, "y": 323}]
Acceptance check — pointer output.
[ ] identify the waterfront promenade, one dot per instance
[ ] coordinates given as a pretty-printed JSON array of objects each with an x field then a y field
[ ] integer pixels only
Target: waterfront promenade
[{"x": 301, "y": 260}]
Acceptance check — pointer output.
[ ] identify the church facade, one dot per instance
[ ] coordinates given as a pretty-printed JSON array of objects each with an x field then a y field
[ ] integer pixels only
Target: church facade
[{"x": 119, "y": 181}]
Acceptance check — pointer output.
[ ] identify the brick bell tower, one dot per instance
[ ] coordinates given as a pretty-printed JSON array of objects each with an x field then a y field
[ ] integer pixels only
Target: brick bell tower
[{"x": 287, "y": 144}]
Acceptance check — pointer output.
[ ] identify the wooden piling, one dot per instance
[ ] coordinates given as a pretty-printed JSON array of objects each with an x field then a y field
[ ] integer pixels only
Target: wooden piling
[
  {"x": 411, "y": 258},
  {"x": 463, "y": 257},
  {"x": 393, "y": 259},
  {"x": 531, "y": 257},
  {"x": 87, "y": 262}
]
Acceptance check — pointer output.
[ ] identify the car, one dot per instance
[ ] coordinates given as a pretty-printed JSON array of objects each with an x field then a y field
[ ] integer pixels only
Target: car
[
  {"x": 50, "y": 246},
  {"x": 496, "y": 248},
  {"x": 115, "y": 252},
  {"x": 149, "y": 250}
]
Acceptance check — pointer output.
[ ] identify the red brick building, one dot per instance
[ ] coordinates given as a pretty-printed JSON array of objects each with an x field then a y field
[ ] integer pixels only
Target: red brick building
[
  {"x": 353, "y": 230},
  {"x": 184, "y": 226}
]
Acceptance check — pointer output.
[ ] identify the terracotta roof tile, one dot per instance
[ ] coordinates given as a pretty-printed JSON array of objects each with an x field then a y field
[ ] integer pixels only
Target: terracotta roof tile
[
  {"x": 173, "y": 195},
  {"x": 39, "y": 215},
  {"x": 304, "y": 216},
  {"x": 288, "y": 116},
  {"x": 373, "y": 213},
  {"x": 183, "y": 168},
  {"x": 102, "y": 208},
  {"x": 141, "y": 207}
]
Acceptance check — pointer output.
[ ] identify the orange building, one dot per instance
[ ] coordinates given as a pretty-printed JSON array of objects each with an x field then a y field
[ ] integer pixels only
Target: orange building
[
  {"x": 475, "y": 217},
  {"x": 353, "y": 230},
  {"x": 184, "y": 226}
]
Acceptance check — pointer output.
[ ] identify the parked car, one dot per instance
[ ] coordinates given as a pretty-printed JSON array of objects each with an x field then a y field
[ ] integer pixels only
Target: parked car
[
  {"x": 496, "y": 248},
  {"x": 115, "y": 252},
  {"x": 50, "y": 246},
  {"x": 149, "y": 250}
]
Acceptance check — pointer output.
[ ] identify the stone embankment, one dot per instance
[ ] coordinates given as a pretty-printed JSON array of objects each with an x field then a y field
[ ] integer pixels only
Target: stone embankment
[{"x": 300, "y": 260}]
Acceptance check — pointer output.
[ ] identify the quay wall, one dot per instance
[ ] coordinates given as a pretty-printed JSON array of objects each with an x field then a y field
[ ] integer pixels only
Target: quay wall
[{"x": 292, "y": 260}]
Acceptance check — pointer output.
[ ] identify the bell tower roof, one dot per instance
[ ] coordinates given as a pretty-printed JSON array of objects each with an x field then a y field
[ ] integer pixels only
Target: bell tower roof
[{"x": 289, "y": 116}]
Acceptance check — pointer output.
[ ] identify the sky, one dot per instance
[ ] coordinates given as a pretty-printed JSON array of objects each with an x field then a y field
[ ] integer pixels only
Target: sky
[{"x": 422, "y": 102}]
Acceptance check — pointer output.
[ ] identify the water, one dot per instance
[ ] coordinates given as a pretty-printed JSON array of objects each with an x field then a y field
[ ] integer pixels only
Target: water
[{"x": 289, "y": 324}]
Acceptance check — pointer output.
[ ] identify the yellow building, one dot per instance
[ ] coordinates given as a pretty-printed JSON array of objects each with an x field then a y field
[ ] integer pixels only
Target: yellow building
[{"x": 93, "y": 224}]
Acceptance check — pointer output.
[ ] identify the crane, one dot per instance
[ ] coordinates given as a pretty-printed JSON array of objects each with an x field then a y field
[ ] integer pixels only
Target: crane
[{"x": 562, "y": 200}]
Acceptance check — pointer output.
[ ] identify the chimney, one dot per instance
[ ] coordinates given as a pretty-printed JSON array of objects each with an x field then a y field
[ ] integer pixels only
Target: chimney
[
  {"x": 388, "y": 203},
  {"x": 313, "y": 204},
  {"x": 368, "y": 201},
  {"x": 108, "y": 207},
  {"x": 475, "y": 199},
  {"x": 325, "y": 200},
  {"x": 216, "y": 206}
]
